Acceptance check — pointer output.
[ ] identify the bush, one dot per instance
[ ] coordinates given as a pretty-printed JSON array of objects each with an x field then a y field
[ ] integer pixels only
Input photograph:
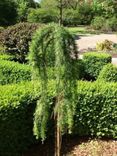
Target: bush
[
  {"x": 108, "y": 73},
  {"x": 98, "y": 23},
  {"x": 17, "y": 104},
  {"x": 16, "y": 39},
  {"x": 96, "y": 113},
  {"x": 106, "y": 45},
  {"x": 111, "y": 24},
  {"x": 94, "y": 62},
  {"x": 6, "y": 57},
  {"x": 42, "y": 16},
  {"x": 71, "y": 17},
  {"x": 80, "y": 68},
  {"x": 96, "y": 110},
  {"x": 101, "y": 23},
  {"x": 12, "y": 72}
]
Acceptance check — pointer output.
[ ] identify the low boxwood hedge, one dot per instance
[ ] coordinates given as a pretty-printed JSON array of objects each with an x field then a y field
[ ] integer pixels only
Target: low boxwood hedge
[
  {"x": 13, "y": 72},
  {"x": 96, "y": 113},
  {"x": 17, "y": 104},
  {"x": 6, "y": 57},
  {"x": 96, "y": 110},
  {"x": 108, "y": 73},
  {"x": 94, "y": 62}
]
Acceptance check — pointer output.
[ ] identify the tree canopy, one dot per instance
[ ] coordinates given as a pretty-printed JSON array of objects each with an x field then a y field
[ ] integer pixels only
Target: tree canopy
[{"x": 8, "y": 12}]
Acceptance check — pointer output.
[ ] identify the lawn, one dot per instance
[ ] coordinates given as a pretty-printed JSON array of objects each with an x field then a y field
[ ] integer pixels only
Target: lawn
[{"x": 81, "y": 30}]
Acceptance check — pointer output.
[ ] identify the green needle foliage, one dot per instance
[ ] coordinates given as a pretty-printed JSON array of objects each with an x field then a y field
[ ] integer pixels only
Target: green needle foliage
[{"x": 54, "y": 47}]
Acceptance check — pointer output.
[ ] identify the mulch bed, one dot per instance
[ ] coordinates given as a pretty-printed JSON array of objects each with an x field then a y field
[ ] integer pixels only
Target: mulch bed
[{"x": 75, "y": 146}]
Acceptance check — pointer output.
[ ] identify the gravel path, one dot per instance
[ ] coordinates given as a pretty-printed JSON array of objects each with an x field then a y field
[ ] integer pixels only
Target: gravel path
[{"x": 85, "y": 42}]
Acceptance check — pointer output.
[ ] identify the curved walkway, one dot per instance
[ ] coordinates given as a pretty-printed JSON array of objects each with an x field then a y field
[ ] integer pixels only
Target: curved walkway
[{"x": 85, "y": 42}]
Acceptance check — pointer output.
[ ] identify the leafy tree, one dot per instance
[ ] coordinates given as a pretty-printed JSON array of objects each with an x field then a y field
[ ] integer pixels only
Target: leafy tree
[
  {"x": 23, "y": 7},
  {"x": 62, "y": 47},
  {"x": 8, "y": 12}
]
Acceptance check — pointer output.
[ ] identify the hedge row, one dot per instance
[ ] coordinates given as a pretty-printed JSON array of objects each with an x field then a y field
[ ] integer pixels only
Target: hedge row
[
  {"x": 17, "y": 104},
  {"x": 6, "y": 57},
  {"x": 108, "y": 73},
  {"x": 96, "y": 113},
  {"x": 89, "y": 68},
  {"x": 94, "y": 62},
  {"x": 13, "y": 72}
]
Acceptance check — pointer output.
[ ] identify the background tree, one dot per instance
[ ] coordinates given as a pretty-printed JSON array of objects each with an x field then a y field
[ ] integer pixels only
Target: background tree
[
  {"x": 8, "y": 12},
  {"x": 23, "y": 7}
]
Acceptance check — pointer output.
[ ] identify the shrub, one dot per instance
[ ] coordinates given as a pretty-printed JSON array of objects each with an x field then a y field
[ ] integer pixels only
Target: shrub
[
  {"x": 75, "y": 17},
  {"x": 98, "y": 23},
  {"x": 94, "y": 62},
  {"x": 96, "y": 110},
  {"x": 108, "y": 73},
  {"x": 17, "y": 104},
  {"x": 111, "y": 24},
  {"x": 80, "y": 68},
  {"x": 6, "y": 57},
  {"x": 96, "y": 113},
  {"x": 12, "y": 72},
  {"x": 42, "y": 16},
  {"x": 71, "y": 17},
  {"x": 106, "y": 45},
  {"x": 16, "y": 39}
]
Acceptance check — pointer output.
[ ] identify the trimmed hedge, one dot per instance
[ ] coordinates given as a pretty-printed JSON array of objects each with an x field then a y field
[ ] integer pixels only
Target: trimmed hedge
[
  {"x": 17, "y": 104},
  {"x": 96, "y": 110},
  {"x": 96, "y": 113},
  {"x": 108, "y": 73},
  {"x": 94, "y": 62},
  {"x": 13, "y": 72},
  {"x": 6, "y": 57}
]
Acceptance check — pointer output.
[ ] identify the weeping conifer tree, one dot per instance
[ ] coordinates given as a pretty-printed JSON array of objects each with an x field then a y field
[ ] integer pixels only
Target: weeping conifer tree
[{"x": 54, "y": 47}]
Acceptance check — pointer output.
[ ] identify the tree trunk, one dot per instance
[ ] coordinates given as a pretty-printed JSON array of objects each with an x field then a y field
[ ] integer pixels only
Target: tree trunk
[
  {"x": 60, "y": 12},
  {"x": 57, "y": 137}
]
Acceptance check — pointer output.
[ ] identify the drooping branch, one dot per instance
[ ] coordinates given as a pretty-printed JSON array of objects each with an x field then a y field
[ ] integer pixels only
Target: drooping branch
[{"x": 63, "y": 46}]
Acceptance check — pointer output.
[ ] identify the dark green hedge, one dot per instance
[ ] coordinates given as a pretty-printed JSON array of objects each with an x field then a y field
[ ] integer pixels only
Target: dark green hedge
[
  {"x": 96, "y": 113},
  {"x": 108, "y": 73},
  {"x": 94, "y": 62},
  {"x": 17, "y": 104},
  {"x": 13, "y": 72}
]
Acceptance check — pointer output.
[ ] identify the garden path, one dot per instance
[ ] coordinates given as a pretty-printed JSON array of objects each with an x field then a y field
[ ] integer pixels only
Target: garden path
[{"x": 87, "y": 42}]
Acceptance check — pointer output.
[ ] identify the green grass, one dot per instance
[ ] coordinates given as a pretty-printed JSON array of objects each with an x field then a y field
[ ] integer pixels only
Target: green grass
[{"x": 81, "y": 30}]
